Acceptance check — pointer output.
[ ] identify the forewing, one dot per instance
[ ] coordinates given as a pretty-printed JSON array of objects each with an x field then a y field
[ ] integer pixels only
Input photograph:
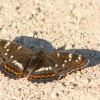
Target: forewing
[
  {"x": 65, "y": 63},
  {"x": 14, "y": 58}
]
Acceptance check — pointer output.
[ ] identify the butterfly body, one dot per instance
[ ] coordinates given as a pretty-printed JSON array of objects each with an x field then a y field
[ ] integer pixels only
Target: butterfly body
[{"x": 18, "y": 61}]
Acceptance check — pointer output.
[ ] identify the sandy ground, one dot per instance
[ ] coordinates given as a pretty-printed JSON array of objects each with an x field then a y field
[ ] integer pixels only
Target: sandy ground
[{"x": 70, "y": 25}]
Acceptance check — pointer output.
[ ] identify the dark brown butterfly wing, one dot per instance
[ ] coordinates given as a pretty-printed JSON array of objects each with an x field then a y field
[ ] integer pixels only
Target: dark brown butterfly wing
[
  {"x": 14, "y": 58},
  {"x": 56, "y": 64}
]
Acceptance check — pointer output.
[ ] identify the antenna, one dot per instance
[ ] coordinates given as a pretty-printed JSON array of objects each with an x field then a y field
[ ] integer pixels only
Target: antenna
[
  {"x": 56, "y": 39},
  {"x": 40, "y": 32}
]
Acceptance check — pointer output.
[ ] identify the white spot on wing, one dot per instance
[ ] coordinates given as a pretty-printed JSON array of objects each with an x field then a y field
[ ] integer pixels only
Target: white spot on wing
[
  {"x": 7, "y": 44},
  {"x": 63, "y": 65},
  {"x": 50, "y": 68},
  {"x": 79, "y": 57},
  {"x": 70, "y": 55},
  {"x": 7, "y": 50},
  {"x": 41, "y": 69},
  {"x": 69, "y": 59},
  {"x": 11, "y": 57},
  {"x": 56, "y": 65},
  {"x": 46, "y": 69},
  {"x": 17, "y": 63},
  {"x": 76, "y": 60},
  {"x": 19, "y": 47},
  {"x": 6, "y": 53},
  {"x": 14, "y": 61},
  {"x": 36, "y": 71},
  {"x": 58, "y": 54},
  {"x": 65, "y": 61}
]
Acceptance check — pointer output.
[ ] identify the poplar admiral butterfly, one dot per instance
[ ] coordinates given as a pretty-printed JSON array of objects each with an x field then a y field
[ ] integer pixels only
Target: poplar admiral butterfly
[{"x": 18, "y": 61}]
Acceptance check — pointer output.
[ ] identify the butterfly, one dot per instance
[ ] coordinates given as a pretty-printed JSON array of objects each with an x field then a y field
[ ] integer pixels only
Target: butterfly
[{"x": 18, "y": 61}]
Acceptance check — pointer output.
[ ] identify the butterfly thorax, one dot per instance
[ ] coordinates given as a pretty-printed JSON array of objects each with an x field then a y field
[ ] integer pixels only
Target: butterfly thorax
[
  {"x": 39, "y": 53},
  {"x": 35, "y": 61}
]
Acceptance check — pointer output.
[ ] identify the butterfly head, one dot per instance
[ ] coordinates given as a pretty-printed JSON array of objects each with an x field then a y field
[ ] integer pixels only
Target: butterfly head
[{"x": 39, "y": 53}]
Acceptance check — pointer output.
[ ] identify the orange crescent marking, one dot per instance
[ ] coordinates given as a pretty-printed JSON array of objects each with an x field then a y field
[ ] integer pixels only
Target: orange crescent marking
[
  {"x": 31, "y": 77},
  {"x": 43, "y": 76},
  {"x": 10, "y": 70},
  {"x": 53, "y": 75},
  {"x": 37, "y": 77},
  {"x": 48, "y": 76},
  {"x": 77, "y": 63}
]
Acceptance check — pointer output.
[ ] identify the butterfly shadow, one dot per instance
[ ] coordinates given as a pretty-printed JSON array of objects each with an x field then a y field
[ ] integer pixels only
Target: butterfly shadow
[{"x": 35, "y": 43}]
